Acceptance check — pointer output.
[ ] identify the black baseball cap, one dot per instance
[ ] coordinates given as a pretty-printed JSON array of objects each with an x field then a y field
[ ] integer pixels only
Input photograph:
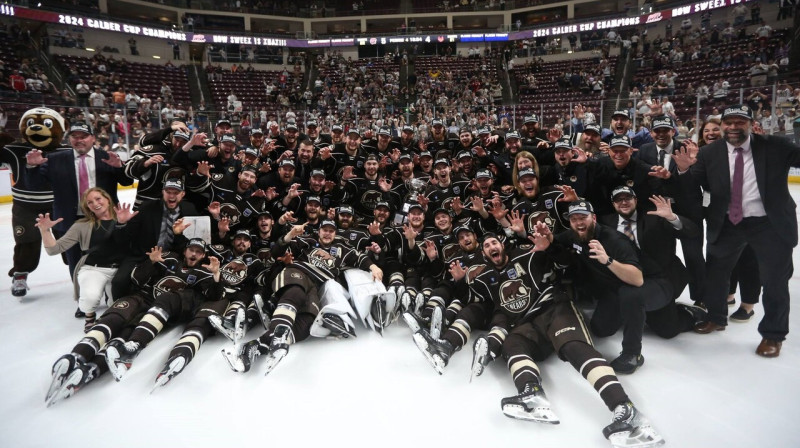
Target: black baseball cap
[
  {"x": 739, "y": 110},
  {"x": 580, "y": 207},
  {"x": 81, "y": 127}
]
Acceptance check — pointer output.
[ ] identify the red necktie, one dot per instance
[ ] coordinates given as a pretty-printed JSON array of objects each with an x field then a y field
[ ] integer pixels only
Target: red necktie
[
  {"x": 735, "y": 211},
  {"x": 83, "y": 176}
]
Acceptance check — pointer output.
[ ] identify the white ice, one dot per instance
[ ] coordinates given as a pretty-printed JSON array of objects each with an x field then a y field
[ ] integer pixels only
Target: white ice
[{"x": 698, "y": 390}]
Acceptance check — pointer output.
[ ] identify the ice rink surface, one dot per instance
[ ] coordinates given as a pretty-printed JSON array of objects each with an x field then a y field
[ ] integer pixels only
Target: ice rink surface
[{"x": 698, "y": 390}]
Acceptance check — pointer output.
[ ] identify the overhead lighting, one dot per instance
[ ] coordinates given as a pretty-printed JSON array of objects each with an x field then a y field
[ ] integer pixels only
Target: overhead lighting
[
  {"x": 155, "y": 56},
  {"x": 90, "y": 49}
]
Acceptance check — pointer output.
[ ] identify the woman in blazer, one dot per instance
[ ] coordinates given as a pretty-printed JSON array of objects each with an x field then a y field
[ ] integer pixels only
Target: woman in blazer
[{"x": 100, "y": 251}]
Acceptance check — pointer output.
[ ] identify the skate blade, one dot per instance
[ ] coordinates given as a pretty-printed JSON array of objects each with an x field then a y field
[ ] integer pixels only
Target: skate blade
[
  {"x": 216, "y": 322},
  {"x": 259, "y": 299},
  {"x": 173, "y": 369},
  {"x": 539, "y": 415},
  {"x": 411, "y": 321},
  {"x": 67, "y": 388},
  {"x": 116, "y": 368},
  {"x": 435, "y": 361},
  {"x": 59, "y": 375},
  {"x": 240, "y": 327},
  {"x": 234, "y": 361},
  {"x": 638, "y": 438},
  {"x": 274, "y": 358},
  {"x": 479, "y": 353},
  {"x": 436, "y": 323}
]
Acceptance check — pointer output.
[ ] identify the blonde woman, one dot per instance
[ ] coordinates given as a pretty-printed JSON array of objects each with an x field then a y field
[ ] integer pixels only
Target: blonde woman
[{"x": 95, "y": 235}]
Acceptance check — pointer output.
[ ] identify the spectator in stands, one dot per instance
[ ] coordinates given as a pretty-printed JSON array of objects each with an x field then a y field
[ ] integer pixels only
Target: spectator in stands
[{"x": 97, "y": 100}]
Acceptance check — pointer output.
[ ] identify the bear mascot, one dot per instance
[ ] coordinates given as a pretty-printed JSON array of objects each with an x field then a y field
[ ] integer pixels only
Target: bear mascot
[{"x": 43, "y": 129}]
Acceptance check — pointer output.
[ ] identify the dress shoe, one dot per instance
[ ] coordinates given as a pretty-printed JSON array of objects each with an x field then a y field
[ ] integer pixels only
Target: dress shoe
[
  {"x": 769, "y": 348},
  {"x": 627, "y": 363},
  {"x": 741, "y": 315},
  {"x": 79, "y": 314},
  {"x": 708, "y": 327}
]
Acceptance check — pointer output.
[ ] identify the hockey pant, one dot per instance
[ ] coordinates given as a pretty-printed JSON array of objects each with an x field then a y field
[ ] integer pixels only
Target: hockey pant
[
  {"x": 117, "y": 322},
  {"x": 297, "y": 304},
  {"x": 175, "y": 306},
  {"x": 333, "y": 300},
  {"x": 474, "y": 316},
  {"x": 559, "y": 328},
  {"x": 363, "y": 291},
  {"x": 197, "y": 330}
]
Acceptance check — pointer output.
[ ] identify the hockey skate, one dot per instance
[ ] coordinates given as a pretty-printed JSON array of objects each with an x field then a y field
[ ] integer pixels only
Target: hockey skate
[
  {"x": 67, "y": 382},
  {"x": 480, "y": 357},
  {"x": 171, "y": 369},
  {"x": 436, "y": 322},
  {"x": 379, "y": 314},
  {"x": 19, "y": 284},
  {"x": 630, "y": 429},
  {"x": 338, "y": 327},
  {"x": 436, "y": 351},
  {"x": 261, "y": 307},
  {"x": 232, "y": 327},
  {"x": 120, "y": 356},
  {"x": 278, "y": 347},
  {"x": 241, "y": 358},
  {"x": 414, "y": 321},
  {"x": 530, "y": 404}
]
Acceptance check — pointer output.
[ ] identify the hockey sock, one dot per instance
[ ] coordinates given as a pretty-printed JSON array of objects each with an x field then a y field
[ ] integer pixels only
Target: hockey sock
[
  {"x": 452, "y": 311},
  {"x": 187, "y": 345},
  {"x": 520, "y": 364},
  {"x": 433, "y": 302},
  {"x": 230, "y": 313},
  {"x": 396, "y": 279},
  {"x": 98, "y": 335},
  {"x": 592, "y": 366},
  {"x": 458, "y": 334},
  {"x": 151, "y": 324}
]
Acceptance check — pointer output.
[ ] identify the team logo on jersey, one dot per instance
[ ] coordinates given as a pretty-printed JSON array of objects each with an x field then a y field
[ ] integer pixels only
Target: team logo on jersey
[
  {"x": 353, "y": 236},
  {"x": 449, "y": 251},
  {"x": 370, "y": 198},
  {"x": 190, "y": 279},
  {"x": 170, "y": 283},
  {"x": 629, "y": 183},
  {"x": 231, "y": 169},
  {"x": 264, "y": 254},
  {"x": 121, "y": 304},
  {"x": 456, "y": 190},
  {"x": 321, "y": 259},
  {"x": 536, "y": 217},
  {"x": 234, "y": 272},
  {"x": 548, "y": 203},
  {"x": 578, "y": 248},
  {"x": 573, "y": 178},
  {"x": 474, "y": 271},
  {"x": 514, "y": 295},
  {"x": 217, "y": 176},
  {"x": 19, "y": 230},
  {"x": 336, "y": 252},
  {"x": 295, "y": 275},
  {"x": 247, "y": 212},
  {"x": 512, "y": 273},
  {"x": 230, "y": 211}
]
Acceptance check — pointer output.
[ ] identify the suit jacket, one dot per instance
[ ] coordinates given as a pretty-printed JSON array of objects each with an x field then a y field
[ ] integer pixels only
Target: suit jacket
[
  {"x": 59, "y": 171},
  {"x": 772, "y": 158},
  {"x": 648, "y": 153},
  {"x": 657, "y": 247},
  {"x": 144, "y": 229}
]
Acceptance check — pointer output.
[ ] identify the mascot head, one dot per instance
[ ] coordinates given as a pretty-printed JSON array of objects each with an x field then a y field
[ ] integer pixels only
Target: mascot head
[{"x": 42, "y": 128}]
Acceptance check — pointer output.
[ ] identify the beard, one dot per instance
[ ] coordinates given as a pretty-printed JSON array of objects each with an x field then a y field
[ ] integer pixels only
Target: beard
[{"x": 587, "y": 235}]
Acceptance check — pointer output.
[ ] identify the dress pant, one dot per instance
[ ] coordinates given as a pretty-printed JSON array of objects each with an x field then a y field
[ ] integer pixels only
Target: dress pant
[
  {"x": 775, "y": 266},
  {"x": 746, "y": 276}
]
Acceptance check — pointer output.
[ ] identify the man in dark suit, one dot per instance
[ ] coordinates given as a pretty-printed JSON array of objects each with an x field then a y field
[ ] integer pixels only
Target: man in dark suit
[
  {"x": 73, "y": 172},
  {"x": 746, "y": 176},
  {"x": 159, "y": 223},
  {"x": 659, "y": 152}
]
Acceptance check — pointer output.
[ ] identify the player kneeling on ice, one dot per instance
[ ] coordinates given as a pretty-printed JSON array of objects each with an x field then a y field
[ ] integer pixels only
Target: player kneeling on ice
[
  {"x": 314, "y": 262},
  {"x": 532, "y": 318}
]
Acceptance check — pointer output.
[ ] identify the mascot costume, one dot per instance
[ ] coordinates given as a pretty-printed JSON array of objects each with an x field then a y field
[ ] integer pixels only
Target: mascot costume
[{"x": 43, "y": 129}]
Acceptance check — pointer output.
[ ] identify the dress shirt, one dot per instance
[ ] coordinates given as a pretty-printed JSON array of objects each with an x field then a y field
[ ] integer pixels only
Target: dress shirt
[{"x": 752, "y": 205}]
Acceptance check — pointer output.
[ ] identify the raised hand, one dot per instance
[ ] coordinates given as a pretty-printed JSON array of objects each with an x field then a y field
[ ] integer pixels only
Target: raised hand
[
  {"x": 683, "y": 158},
  {"x": 287, "y": 218},
  {"x": 297, "y": 230},
  {"x": 43, "y": 222},
  {"x": 198, "y": 139},
  {"x": 568, "y": 193},
  {"x": 374, "y": 248},
  {"x": 597, "y": 252},
  {"x": 294, "y": 191},
  {"x": 384, "y": 184},
  {"x": 325, "y": 153},
  {"x": 212, "y": 152},
  {"x": 579, "y": 155},
  {"x": 259, "y": 194},
  {"x": 480, "y": 152},
  {"x": 347, "y": 173},
  {"x": 124, "y": 212},
  {"x": 374, "y": 228},
  {"x": 663, "y": 208},
  {"x": 156, "y": 255},
  {"x": 204, "y": 169},
  {"x": 287, "y": 258},
  {"x": 409, "y": 233},
  {"x": 517, "y": 221},
  {"x": 224, "y": 225},
  {"x": 35, "y": 157},
  {"x": 214, "y": 209},
  {"x": 265, "y": 168},
  {"x": 457, "y": 270},
  {"x": 178, "y": 126},
  {"x": 179, "y": 226},
  {"x": 423, "y": 201},
  {"x": 430, "y": 249},
  {"x": 271, "y": 194},
  {"x": 213, "y": 265},
  {"x": 659, "y": 172},
  {"x": 554, "y": 134},
  {"x": 497, "y": 209}
]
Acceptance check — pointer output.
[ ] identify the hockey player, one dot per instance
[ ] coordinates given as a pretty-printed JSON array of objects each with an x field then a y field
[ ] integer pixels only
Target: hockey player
[
  {"x": 315, "y": 261},
  {"x": 200, "y": 285},
  {"x": 150, "y": 165},
  {"x": 533, "y": 318},
  {"x": 86, "y": 361}
]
